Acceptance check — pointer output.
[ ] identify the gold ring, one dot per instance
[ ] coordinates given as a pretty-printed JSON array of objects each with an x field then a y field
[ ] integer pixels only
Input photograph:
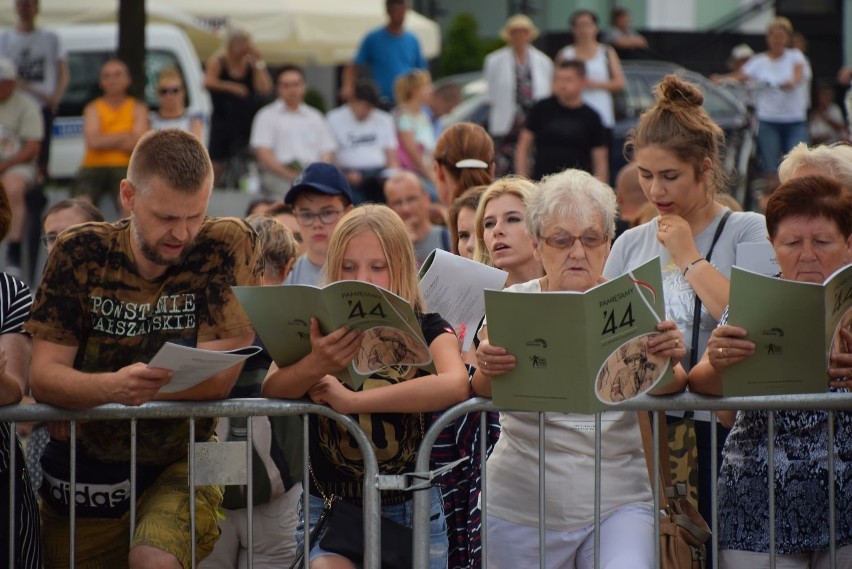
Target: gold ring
[
  {"x": 721, "y": 351},
  {"x": 677, "y": 342},
  {"x": 484, "y": 364}
]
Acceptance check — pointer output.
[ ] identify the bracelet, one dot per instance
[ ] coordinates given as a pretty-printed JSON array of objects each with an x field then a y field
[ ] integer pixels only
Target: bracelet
[
  {"x": 260, "y": 64},
  {"x": 692, "y": 264}
]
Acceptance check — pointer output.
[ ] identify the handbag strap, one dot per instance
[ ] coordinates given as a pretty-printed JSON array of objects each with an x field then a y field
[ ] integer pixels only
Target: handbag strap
[
  {"x": 696, "y": 314},
  {"x": 648, "y": 448}
]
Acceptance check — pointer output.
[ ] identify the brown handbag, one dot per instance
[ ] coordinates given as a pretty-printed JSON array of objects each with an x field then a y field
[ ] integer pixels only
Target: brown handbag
[{"x": 683, "y": 532}]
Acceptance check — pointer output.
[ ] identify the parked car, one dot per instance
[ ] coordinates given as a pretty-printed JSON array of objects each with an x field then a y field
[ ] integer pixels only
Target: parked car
[
  {"x": 729, "y": 113},
  {"x": 87, "y": 47}
]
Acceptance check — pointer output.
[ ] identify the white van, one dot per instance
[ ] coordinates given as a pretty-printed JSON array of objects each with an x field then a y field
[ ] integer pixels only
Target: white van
[{"x": 87, "y": 47}]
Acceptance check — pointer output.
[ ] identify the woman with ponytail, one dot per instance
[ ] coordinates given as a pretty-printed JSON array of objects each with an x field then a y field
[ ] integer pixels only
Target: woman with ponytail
[
  {"x": 464, "y": 158},
  {"x": 678, "y": 152}
]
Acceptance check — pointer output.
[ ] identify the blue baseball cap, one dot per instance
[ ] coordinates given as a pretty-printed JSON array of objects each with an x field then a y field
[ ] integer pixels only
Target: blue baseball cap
[{"x": 320, "y": 177}]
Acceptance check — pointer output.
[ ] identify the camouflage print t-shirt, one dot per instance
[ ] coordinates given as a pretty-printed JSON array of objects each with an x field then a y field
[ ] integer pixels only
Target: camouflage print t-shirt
[{"x": 92, "y": 297}]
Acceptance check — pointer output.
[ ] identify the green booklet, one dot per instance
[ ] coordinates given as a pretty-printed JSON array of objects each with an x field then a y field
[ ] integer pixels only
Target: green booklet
[
  {"x": 579, "y": 352},
  {"x": 281, "y": 315},
  {"x": 795, "y": 327}
]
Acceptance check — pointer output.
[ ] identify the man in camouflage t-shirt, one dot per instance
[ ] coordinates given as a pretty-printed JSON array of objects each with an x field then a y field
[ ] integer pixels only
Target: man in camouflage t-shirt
[{"x": 112, "y": 295}]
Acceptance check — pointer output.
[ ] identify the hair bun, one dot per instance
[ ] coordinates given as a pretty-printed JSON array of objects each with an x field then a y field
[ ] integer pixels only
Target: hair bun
[{"x": 674, "y": 93}]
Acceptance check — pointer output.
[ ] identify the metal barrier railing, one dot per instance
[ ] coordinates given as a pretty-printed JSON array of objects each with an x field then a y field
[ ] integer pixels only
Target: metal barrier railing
[
  {"x": 196, "y": 410},
  {"x": 830, "y": 402}
]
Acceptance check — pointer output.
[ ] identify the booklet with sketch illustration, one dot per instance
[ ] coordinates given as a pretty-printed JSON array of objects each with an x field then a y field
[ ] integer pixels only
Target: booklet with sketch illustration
[
  {"x": 795, "y": 327},
  {"x": 281, "y": 315},
  {"x": 579, "y": 352},
  {"x": 453, "y": 286}
]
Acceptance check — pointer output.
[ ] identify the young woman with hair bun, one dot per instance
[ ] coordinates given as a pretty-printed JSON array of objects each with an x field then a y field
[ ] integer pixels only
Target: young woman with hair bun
[{"x": 678, "y": 152}]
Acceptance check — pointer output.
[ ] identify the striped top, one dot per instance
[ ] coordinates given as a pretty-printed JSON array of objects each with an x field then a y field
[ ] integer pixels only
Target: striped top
[{"x": 15, "y": 302}]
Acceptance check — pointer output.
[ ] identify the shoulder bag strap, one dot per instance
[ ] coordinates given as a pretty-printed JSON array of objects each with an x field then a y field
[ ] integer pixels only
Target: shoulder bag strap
[
  {"x": 648, "y": 448},
  {"x": 696, "y": 315}
]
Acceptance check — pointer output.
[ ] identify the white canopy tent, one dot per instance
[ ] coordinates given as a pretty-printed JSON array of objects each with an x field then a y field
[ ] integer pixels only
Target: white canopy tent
[
  {"x": 311, "y": 31},
  {"x": 304, "y": 31}
]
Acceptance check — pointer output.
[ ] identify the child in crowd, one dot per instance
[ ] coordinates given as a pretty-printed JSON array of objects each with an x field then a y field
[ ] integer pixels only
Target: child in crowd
[
  {"x": 319, "y": 197},
  {"x": 371, "y": 244}
]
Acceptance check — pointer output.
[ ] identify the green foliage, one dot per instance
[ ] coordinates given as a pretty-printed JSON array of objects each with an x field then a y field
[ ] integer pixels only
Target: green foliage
[
  {"x": 463, "y": 49},
  {"x": 314, "y": 98}
]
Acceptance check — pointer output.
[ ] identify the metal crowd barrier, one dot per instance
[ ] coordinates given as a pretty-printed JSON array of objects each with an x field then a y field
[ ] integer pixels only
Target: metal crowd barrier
[
  {"x": 196, "y": 410},
  {"x": 830, "y": 402},
  {"x": 373, "y": 482}
]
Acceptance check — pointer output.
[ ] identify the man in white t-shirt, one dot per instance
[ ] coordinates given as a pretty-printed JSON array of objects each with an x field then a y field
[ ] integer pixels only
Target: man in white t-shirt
[
  {"x": 21, "y": 129},
  {"x": 366, "y": 142},
  {"x": 287, "y": 135},
  {"x": 41, "y": 64}
]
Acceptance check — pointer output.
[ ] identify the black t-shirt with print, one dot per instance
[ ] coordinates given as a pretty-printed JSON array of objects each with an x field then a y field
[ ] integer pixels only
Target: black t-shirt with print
[{"x": 336, "y": 460}]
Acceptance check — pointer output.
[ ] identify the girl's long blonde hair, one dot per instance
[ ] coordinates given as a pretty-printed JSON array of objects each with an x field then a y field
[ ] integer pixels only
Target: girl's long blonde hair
[{"x": 396, "y": 245}]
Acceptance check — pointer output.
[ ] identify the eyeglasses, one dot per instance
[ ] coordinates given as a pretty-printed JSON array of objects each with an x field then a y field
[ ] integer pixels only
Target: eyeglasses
[
  {"x": 49, "y": 239},
  {"x": 566, "y": 241},
  {"x": 168, "y": 90},
  {"x": 327, "y": 217},
  {"x": 290, "y": 84}
]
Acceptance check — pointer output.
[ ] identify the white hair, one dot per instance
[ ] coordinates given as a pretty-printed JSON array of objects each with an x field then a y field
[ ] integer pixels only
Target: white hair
[{"x": 570, "y": 193}]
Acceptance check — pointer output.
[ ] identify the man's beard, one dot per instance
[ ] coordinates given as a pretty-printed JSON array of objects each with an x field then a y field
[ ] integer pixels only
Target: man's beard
[{"x": 150, "y": 252}]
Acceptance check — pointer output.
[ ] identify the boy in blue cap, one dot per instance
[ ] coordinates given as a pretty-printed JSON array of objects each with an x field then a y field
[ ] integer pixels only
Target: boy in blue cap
[{"x": 320, "y": 196}]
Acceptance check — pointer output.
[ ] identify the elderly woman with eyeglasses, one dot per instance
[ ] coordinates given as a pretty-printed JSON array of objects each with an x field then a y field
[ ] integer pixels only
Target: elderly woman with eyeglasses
[
  {"x": 571, "y": 220},
  {"x": 809, "y": 220}
]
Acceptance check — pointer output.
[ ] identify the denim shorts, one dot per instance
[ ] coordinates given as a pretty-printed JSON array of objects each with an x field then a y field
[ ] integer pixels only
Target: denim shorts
[{"x": 400, "y": 513}]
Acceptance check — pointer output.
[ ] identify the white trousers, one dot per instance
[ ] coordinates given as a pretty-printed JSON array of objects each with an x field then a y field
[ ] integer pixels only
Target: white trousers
[{"x": 627, "y": 542}]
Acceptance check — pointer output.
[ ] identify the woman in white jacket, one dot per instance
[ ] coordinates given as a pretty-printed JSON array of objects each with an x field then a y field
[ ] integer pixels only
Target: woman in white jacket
[{"x": 517, "y": 75}]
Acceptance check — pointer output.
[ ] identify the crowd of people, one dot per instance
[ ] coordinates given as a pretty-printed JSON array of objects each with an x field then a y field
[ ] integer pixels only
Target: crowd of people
[{"x": 366, "y": 195}]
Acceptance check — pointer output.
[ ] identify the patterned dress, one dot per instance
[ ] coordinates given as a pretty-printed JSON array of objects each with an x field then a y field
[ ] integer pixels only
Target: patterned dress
[
  {"x": 460, "y": 488},
  {"x": 801, "y": 481},
  {"x": 505, "y": 145}
]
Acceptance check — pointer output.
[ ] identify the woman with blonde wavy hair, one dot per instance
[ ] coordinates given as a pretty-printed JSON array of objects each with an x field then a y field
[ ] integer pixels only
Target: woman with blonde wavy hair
[
  {"x": 370, "y": 244},
  {"x": 502, "y": 240}
]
